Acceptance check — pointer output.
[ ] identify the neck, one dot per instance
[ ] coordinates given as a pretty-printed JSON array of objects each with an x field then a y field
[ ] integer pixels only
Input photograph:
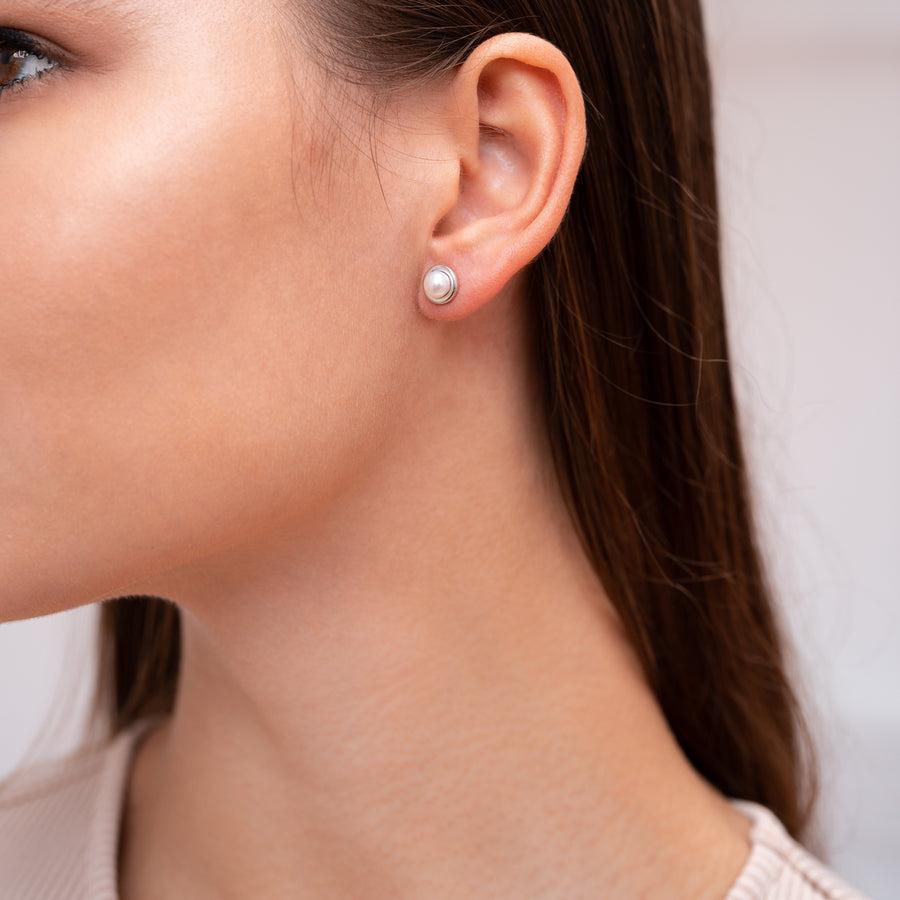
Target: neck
[
  {"x": 482, "y": 745},
  {"x": 360, "y": 716}
]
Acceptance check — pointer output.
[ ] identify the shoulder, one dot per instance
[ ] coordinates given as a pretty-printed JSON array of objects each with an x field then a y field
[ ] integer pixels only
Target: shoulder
[
  {"x": 59, "y": 824},
  {"x": 780, "y": 869}
]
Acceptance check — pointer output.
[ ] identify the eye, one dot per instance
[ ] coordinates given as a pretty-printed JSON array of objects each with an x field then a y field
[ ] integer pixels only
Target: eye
[{"x": 21, "y": 59}]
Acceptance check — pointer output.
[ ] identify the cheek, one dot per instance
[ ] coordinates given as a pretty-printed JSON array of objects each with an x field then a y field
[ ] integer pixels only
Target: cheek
[{"x": 181, "y": 358}]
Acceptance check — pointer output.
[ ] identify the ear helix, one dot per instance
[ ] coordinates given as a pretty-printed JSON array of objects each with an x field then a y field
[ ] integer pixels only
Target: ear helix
[{"x": 440, "y": 284}]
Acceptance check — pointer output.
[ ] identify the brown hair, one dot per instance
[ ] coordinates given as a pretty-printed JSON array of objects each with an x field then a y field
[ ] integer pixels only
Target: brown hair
[{"x": 631, "y": 353}]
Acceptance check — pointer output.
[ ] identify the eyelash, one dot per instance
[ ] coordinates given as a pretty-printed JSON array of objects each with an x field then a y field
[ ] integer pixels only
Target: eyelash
[{"x": 11, "y": 41}]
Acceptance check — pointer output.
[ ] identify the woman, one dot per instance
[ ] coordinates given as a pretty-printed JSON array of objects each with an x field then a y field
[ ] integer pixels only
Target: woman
[{"x": 372, "y": 355}]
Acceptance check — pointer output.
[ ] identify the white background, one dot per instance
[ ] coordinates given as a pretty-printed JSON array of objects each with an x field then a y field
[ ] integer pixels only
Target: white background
[{"x": 808, "y": 106}]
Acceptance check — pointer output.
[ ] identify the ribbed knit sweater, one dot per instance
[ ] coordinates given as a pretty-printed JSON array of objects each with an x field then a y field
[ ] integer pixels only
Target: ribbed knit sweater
[{"x": 60, "y": 824}]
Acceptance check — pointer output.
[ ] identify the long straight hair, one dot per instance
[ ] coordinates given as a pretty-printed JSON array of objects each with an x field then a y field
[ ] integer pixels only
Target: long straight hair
[{"x": 630, "y": 350}]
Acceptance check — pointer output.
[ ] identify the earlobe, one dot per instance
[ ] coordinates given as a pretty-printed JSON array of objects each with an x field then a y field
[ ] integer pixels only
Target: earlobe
[{"x": 520, "y": 137}]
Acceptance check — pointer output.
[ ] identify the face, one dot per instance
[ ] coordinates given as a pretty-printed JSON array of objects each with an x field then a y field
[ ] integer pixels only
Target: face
[{"x": 199, "y": 323}]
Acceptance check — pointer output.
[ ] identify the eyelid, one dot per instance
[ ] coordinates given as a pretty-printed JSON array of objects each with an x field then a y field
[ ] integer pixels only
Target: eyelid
[
  {"x": 12, "y": 37},
  {"x": 42, "y": 48}
]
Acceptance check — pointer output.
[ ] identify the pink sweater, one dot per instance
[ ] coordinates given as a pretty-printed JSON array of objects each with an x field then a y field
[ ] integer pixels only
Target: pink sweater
[{"x": 59, "y": 829}]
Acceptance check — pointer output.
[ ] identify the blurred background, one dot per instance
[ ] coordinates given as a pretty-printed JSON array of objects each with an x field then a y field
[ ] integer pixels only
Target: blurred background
[
  {"x": 808, "y": 120},
  {"x": 808, "y": 117}
]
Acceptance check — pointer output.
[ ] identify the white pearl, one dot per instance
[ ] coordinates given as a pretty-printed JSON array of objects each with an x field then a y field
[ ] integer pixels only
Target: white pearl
[{"x": 439, "y": 284}]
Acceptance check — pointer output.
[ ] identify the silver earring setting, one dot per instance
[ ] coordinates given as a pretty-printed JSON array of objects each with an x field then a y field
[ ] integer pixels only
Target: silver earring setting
[{"x": 440, "y": 284}]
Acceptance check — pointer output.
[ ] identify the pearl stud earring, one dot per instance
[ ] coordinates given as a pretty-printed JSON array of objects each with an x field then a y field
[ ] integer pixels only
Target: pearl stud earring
[{"x": 440, "y": 284}]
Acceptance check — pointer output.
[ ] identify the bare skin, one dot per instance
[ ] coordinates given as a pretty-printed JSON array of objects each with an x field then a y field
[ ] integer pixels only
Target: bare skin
[{"x": 223, "y": 385}]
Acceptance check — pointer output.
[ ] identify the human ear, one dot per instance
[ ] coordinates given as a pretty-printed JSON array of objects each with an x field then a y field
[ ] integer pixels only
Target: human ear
[{"x": 520, "y": 137}]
